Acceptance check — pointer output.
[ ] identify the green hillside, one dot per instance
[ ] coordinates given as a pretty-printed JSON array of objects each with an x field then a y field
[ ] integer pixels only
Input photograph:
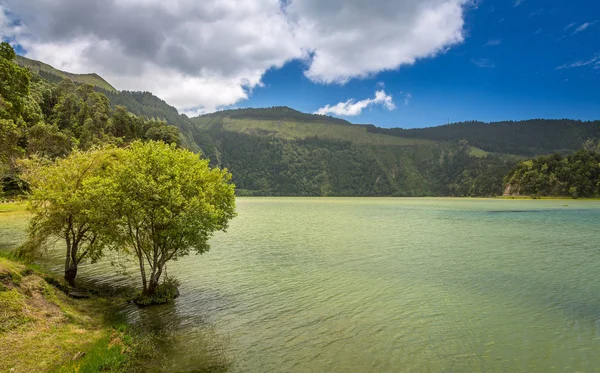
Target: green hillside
[
  {"x": 53, "y": 75},
  {"x": 575, "y": 175},
  {"x": 275, "y": 113},
  {"x": 41, "y": 118},
  {"x": 142, "y": 104},
  {"x": 281, "y": 151},
  {"x": 290, "y": 129},
  {"x": 528, "y": 138}
]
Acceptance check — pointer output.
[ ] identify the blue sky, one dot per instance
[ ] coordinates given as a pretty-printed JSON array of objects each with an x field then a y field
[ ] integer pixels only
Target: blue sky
[
  {"x": 392, "y": 63},
  {"x": 508, "y": 68}
]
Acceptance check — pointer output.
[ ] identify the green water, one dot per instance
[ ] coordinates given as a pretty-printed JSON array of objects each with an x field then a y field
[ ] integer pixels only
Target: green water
[{"x": 385, "y": 285}]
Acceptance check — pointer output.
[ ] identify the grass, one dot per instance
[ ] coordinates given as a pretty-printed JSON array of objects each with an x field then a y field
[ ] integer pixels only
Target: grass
[
  {"x": 93, "y": 79},
  {"x": 106, "y": 354},
  {"x": 301, "y": 130},
  {"x": 13, "y": 224},
  {"x": 42, "y": 329},
  {"x": 477, "y": 153},
  {"x": 12, "y": 206}
]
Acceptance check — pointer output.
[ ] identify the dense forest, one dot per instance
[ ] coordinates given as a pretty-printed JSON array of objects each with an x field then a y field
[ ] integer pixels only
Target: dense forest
[
  {"x": 267, "y": 165},
  {"x": 278, "y": 150},
  {"x": 527, "y": 138},
  {"x": 276, "y": 113},
  {"x": 49, "y": 120},
  {"x": 575, "y": 175}
]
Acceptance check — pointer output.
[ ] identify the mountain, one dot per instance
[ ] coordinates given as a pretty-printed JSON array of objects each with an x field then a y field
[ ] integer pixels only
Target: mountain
[
  {"x": 53, "y": 75},
  {"x": 287, "y": 123},
  {"x": 281, "y": 151},
  {"x": 143, "y": 104},
  {"x": 528, "y": 138}
]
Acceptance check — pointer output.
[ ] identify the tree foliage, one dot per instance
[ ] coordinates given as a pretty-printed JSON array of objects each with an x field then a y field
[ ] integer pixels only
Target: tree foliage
[
  {"x": 51, "y": 118},
  {"x": 575, "y": 175},
  {"x": 167, "y": 202},
  {"x": 266, "y": 165},
  {"x": 67, "y": 204},
  {"x": 528, "y": 138}
]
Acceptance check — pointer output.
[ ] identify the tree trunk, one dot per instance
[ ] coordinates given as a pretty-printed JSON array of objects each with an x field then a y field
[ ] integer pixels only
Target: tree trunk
[
  {"x": 71, "y": 260},
  {"x": 153, "y": 281},
  {"x": 142, "y": 272},
  {"x": 71, "y": 273}
]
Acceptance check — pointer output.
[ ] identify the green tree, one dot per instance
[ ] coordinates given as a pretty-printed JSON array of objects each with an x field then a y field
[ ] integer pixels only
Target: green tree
[
  {"x": 48, "y": 141},
  {"x": 10, "y": 151},
  {"x": 14, "y": 84},
  {"x": 169, "y": 203},
  {"x": 160, "y": 131},
  {"x": 67, "y": 204}
]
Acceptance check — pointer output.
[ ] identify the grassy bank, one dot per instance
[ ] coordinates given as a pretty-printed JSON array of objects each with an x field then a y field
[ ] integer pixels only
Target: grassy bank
[{"x": 43, "y": 330}]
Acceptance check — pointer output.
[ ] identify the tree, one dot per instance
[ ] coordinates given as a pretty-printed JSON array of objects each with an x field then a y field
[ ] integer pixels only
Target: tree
[
  {"x": 10, "y": 133},
  {"x": 14, "y": 84},
  {"x": 67, "y": 204},
  {"x": 160, "y": 131},
  {"x": 170, "y": 203},
  {"x": 48, "y": 141}
]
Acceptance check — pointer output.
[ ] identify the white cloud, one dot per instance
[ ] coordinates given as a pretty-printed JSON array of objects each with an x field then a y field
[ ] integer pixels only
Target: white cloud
[
  {"x": 201, "y": 55},
  {"x": 518, "y": 2},
  {"x": 351, "y": 39},
  {"x": 492, "y": 43},
  {"x": 352, "y": 107},
  {"x": 407, "y": 98},
  {"x": 583, "y": 27},
  {"x": 595, "y": 60},
  {"x": 483, "y": 63}
]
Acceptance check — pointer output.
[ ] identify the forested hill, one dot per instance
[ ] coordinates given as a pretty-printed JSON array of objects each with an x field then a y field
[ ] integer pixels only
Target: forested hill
[
  {"x": 275, "y": 113},
  {"x": 575, "y": 175},
  {"x": 53, "y": 75},
  {"x": 142, "y": 104},
  {"x": 528, "y": 138},
  {"x": 281, "y": 151}
]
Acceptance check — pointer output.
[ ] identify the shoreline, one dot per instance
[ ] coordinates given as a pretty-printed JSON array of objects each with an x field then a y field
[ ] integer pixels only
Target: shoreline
[{"x": 38, "y": 318}]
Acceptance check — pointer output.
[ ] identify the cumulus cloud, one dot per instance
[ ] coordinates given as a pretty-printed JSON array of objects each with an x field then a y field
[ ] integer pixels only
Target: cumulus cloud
[
  {"x": 355, "y": 38},
  {"x": 201, "y": 55},
  {"x": 352, "y": 107}
]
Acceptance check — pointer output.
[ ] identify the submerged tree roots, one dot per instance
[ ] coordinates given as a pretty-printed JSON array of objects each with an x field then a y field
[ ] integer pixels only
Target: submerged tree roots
[{"x": 163, "y": 293}]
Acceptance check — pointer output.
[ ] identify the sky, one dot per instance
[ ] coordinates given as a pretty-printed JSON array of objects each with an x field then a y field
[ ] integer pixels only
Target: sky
[{"x": 392, "y": 63}]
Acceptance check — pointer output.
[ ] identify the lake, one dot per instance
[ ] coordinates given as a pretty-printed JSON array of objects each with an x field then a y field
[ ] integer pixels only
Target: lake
[{"x": 380, "y": 285}]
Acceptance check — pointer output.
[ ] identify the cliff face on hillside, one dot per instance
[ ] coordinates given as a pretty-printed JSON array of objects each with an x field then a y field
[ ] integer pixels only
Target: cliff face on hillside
[{"x": 511, "y": 190}]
